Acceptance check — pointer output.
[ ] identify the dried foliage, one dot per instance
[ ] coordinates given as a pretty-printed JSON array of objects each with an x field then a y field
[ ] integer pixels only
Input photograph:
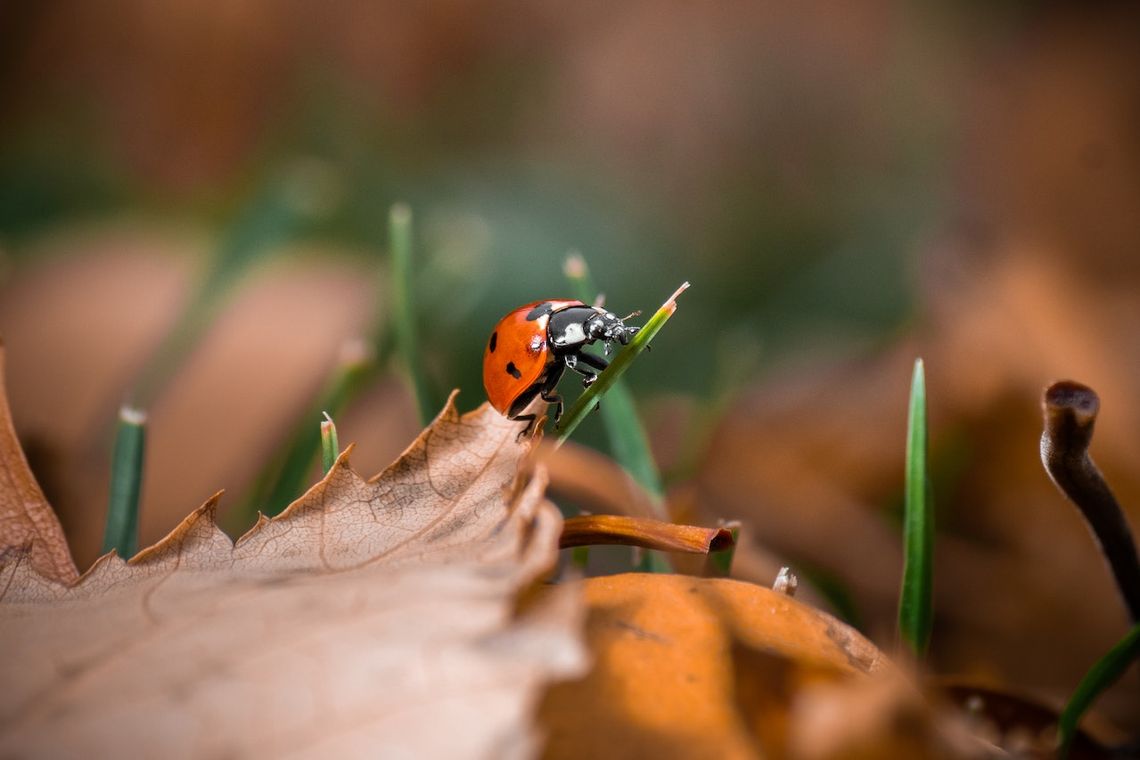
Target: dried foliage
[
  {"x": 702, "y": 668},
  {"x": 27, "y": 522},
  {"x": 365, "y": 616},
  {"x": 1014, "y": 565}
]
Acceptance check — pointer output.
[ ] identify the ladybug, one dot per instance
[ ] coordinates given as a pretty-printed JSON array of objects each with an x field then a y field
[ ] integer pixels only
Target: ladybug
[{"x": 533, "y": 345}]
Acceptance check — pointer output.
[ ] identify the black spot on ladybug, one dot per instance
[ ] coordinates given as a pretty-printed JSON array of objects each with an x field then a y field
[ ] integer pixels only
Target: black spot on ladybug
[
  {"x": 513, "y": 371},
  {"x": 494, "y": 341},
  {"x": 540, "y": 311}
]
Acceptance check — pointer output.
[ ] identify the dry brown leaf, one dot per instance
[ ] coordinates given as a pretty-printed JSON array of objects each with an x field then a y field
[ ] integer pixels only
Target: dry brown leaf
[
  {"x": 371, "y": 616},
  {"x": 26, "y": 519},
  {"x": 675, "y": 662}
]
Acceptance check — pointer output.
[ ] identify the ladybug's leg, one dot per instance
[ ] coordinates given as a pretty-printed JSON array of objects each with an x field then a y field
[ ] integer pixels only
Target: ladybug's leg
[
  {"x": 547, "y": 394},
  {"x": 518, "y": 407},
  {"x": 554, "y": 398},
  {"x": 596, "y": 364},
  {"x": 529, "y": 419}
]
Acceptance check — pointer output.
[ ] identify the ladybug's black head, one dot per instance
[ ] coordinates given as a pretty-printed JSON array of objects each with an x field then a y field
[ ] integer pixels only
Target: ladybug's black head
[{"x": 608, "y": 327}]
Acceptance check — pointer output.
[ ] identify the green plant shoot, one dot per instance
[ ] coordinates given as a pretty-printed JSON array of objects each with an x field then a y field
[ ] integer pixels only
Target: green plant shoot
[
  {"x": 915, "y": 599},
  {"x": 122, "y": 529},
  {"x": 330, "y": 449},
  {"x": 403, "y": 304},
  {"x": 628, "y": 441}
]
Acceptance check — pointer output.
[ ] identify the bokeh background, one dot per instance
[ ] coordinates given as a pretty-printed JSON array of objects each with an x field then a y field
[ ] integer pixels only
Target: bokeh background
[{"x": 847, "y": 186}]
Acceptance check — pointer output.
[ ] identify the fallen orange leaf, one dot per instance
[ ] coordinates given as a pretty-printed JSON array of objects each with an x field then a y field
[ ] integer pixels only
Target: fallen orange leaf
[{"x": 674, "y": 657}]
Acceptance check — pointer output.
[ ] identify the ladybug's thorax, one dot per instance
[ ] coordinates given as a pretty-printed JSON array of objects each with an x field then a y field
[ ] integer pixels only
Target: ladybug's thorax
[{"x": 569, "y": 329}]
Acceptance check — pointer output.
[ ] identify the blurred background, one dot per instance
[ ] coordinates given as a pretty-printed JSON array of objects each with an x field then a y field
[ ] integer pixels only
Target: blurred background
[{"x": 194, "y": 205}]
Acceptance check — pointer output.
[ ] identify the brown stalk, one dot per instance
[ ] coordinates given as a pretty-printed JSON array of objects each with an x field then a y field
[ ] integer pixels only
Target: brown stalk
[
  {"x": 592, "y": 530},
  {"x": 1070, "y": 413}
]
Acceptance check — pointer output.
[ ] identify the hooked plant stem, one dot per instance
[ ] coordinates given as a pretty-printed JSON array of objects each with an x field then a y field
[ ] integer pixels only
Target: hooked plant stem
[{"x": 1070, "y": 411}]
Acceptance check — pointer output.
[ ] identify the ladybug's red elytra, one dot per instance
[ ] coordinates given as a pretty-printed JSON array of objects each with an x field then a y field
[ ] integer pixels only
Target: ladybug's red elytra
[{"x": 533, "y": 345}]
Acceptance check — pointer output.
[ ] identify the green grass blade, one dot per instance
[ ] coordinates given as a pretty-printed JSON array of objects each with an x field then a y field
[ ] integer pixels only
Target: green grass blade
[
  {"x": 1103, "y": 674},
  {"x": 330, "y": 448},
  {"x": 915, "y": 599},
  {"x": 122, "y": 529},
  {"x": 592, "y": 395},
  {"x": 403, "y": 306},
  {"x": 628, "y": 440}
]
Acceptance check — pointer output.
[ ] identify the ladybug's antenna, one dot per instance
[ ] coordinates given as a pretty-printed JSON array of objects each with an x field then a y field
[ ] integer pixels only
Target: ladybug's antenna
[
  {"x": 600, "y": 301},
  {"x": 631, "y": 315}
]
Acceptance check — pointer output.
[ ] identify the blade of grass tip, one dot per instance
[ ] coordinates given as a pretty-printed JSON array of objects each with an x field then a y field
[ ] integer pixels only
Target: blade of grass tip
[
  {"x": 330, "y": 449},
  {"x": 1103, "y": 674},
  {"x": 403, "y": 303},
  {"x": 915, "y": 603},
  {"x": 283, "y": 480},
  {"x": 122, "y": 528},
  {"x": 592, "y": 395}
]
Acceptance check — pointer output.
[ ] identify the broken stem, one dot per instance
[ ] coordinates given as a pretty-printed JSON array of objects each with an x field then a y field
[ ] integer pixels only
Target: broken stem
[
  {"x": 719, "y": 563},
  {"x": 593, "y": 530}
]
